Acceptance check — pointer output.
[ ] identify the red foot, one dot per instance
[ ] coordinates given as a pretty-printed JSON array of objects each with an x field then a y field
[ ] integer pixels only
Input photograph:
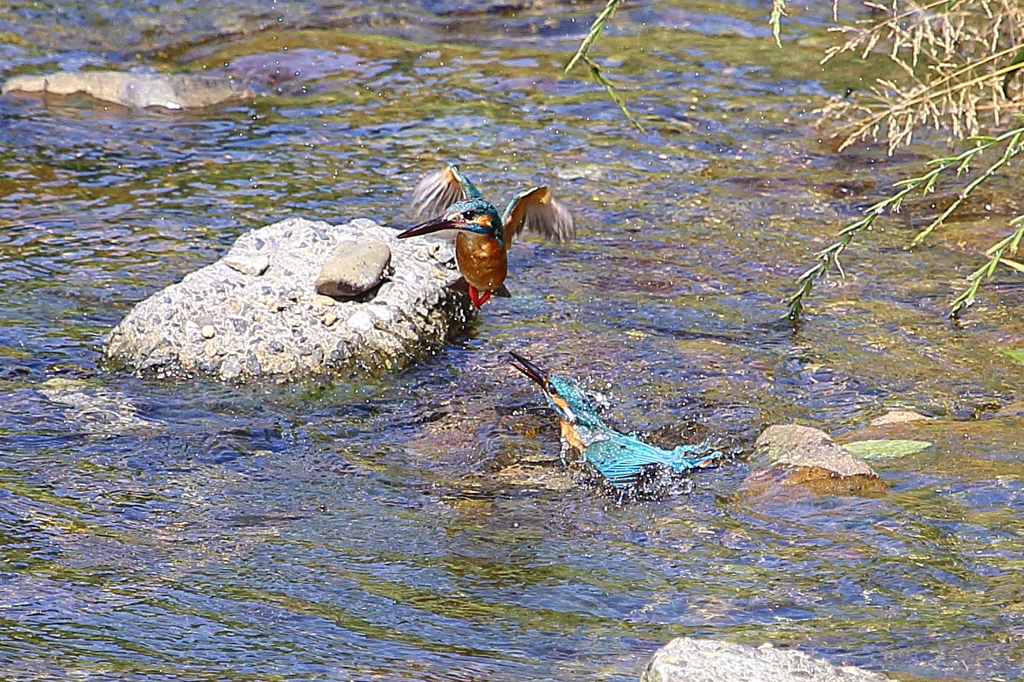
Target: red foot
[{"x": 478, "y": 298}]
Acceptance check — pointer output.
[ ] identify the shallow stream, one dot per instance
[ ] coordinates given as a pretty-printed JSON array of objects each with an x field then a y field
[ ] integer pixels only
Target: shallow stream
[{"x": 419, "y": 526}]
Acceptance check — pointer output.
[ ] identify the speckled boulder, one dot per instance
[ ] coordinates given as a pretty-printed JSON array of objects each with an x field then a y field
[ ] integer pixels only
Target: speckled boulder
[
  {"x": 255, "y": 313},
  {"x": 692, "y": 659}
]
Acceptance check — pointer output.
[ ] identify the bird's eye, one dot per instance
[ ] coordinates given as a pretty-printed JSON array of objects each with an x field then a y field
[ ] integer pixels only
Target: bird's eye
[{"x": 469, "y": 215}]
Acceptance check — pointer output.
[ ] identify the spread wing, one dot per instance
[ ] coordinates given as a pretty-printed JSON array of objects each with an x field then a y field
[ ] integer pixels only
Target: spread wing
[
  {"x": 436, "y": 192},
  {"x": 440, "y": 189},
  {"x": 535, "y": 210}
]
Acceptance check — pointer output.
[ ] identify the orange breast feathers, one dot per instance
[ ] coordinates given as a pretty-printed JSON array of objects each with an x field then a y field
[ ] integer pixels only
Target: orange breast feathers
[
  {"x": 571, "y": 436},
  {"x": 482, "y": 260}
]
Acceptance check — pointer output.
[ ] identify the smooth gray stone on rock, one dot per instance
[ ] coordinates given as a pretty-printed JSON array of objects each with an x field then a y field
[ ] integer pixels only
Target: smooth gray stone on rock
[
  {"x": 136, "y": 90},
  {"x": 277, "y": 326},
  {"x": 353, "y": 268},
  {"x": 689, "y": 659}
]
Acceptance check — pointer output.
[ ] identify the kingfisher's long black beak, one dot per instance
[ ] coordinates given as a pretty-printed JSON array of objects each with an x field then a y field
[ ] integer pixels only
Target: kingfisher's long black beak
[
  {"x": 529, "y": 369},
  {"x": 433, "y": 225}
]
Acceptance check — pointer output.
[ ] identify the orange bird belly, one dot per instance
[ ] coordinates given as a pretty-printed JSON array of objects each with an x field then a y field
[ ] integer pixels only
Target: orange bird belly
[
  {"x": 571, "y": 436},
  {"x": 482, "y": 261}
]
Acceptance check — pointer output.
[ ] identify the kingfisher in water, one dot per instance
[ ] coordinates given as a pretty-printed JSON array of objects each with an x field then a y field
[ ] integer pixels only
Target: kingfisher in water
[
  {"x": 618, "y": 457},
  {"x": 484, "y": 235}
]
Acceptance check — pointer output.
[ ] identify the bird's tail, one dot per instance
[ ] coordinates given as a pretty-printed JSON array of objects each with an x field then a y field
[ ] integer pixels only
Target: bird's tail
[{"x": 696, "y": 456}]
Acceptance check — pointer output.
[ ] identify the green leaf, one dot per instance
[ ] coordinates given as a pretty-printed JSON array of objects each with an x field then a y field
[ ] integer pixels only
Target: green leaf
[
  {"x": 775, "y": 19},
  {"x": 1016, "y": 354},
  {"x": 886, "y": 449}
]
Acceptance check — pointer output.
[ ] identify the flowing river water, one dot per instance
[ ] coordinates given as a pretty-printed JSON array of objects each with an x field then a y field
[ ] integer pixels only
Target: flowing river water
[{"x": 419, "y": 525}]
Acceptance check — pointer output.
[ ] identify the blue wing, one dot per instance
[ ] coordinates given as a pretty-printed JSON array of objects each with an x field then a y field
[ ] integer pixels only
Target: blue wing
[{"x": 620, "y": 458}]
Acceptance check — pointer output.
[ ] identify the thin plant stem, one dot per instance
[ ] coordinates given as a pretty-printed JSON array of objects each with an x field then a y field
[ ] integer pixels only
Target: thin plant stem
[
  {"x": 595, "y": 32},
  {"x": 924, "y": 184},
  {"x": 829, "y": 256},
  {"x": 583, "y": 54},
  {"x": 1012, "y": 149},
  {"x": 595, "y": 71},
  {"x": 995, "y": 254}
]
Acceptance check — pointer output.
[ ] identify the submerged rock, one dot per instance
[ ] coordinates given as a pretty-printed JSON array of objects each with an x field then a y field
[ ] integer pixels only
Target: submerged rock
[
  {"x": 1015, "y": 409},
  {"x": 240, "y": 323},
  {"x": 689, "y": 659},
  {"x": 136, "y": 90},
  {"x": 93, "y": 410},
  {"x": 792, "y": 455}
]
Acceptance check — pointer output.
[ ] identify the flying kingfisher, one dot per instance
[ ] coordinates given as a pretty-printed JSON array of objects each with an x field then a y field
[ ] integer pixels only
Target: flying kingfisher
[
  {"x": 484, "y": 237},
  {"x": 619, "y": 458}
]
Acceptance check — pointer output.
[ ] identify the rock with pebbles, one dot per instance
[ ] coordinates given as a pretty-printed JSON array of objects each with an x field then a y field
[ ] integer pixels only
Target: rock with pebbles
[
  {"x": 355, "y": 267},
  {"x": 690, "y": 659},
  {"x": 239, "y": 320},
  {"x": 136, "y": 90}
]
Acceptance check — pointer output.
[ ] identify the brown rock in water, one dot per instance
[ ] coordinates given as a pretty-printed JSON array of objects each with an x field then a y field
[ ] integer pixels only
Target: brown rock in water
[
  {"x": 794, "y": 445},
  {"x": 353, "y": 268},
  {"x": 899, "y": 417},
  {"x": 793, "y": 459},
  {"x": 136, "y": 90}
]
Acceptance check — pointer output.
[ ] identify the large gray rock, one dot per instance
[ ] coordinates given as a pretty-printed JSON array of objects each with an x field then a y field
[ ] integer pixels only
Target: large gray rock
[
  {"x": 688, "y": 659},
  {"x": 136, "y": 90},
  {"x": 256, "y": 314}
]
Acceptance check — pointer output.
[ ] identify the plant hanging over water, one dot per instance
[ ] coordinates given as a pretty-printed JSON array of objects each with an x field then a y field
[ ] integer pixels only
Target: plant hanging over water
[
  {"x": 583, "y": 54},
  {"x": 959, "y": 60},
  {"x": 1010, "y": 142}
]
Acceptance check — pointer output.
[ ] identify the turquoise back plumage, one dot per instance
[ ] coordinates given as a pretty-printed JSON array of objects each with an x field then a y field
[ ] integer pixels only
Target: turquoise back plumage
[{"x": 622, "y": 458}]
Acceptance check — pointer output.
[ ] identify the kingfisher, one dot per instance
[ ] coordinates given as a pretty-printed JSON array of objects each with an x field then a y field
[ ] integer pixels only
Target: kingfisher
[
  {"x": 617, "y": 457},
  {"x": 484, "y": 235}
]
